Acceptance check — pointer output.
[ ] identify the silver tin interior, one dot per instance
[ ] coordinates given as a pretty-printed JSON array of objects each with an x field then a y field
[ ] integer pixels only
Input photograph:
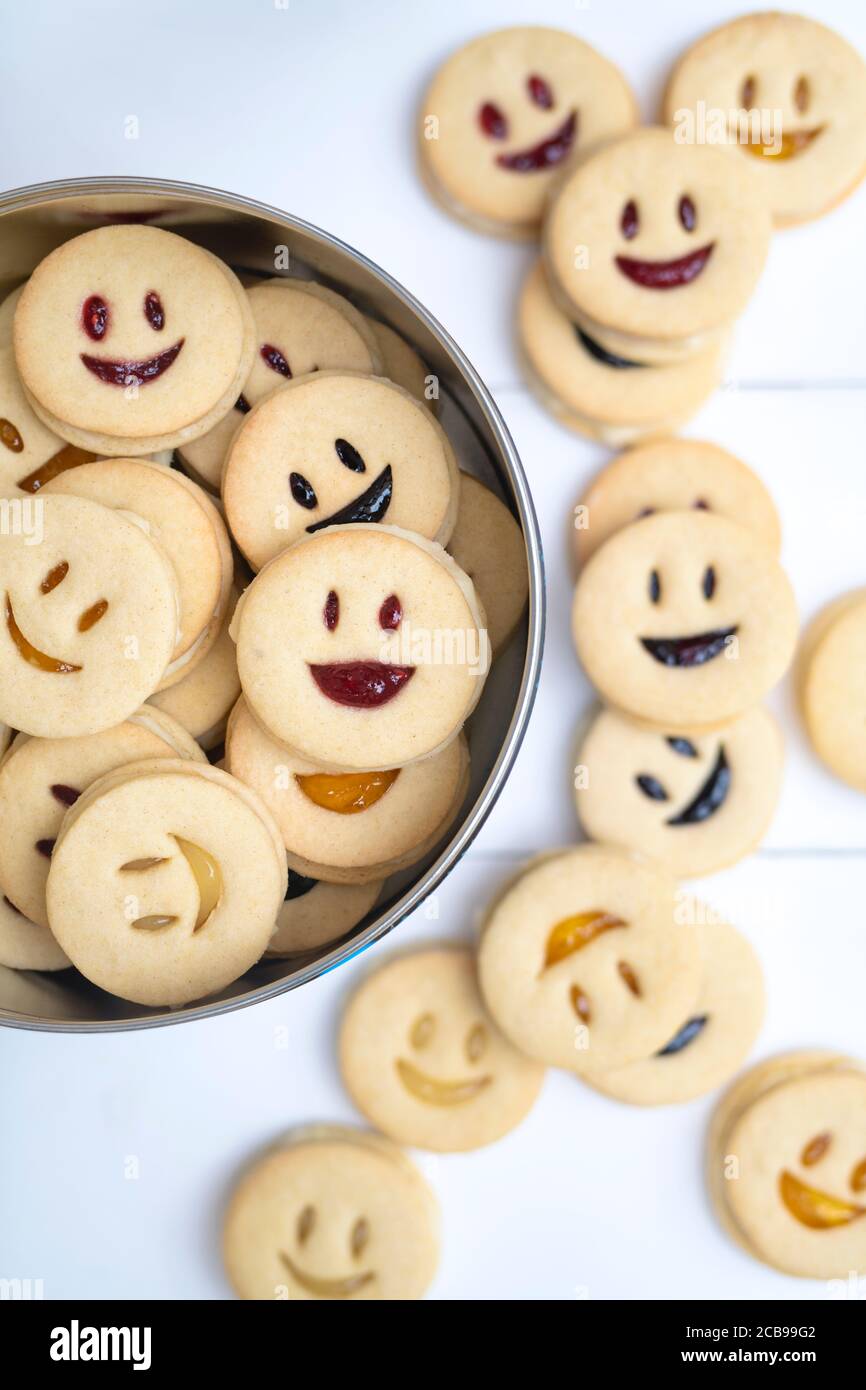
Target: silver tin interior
[{"x": 249, "y": 236}]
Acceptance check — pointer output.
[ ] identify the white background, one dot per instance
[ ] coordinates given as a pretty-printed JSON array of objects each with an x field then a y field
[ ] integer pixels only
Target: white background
[{"x": 310, "y": 107}]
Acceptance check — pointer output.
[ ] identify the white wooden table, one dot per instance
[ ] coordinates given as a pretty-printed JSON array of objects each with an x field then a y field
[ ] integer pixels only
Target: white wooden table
[{"x": 309, "y": 106}]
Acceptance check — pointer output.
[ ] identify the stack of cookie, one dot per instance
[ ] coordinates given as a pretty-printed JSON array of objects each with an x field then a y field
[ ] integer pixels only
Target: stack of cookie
[
  {"x": 135, "y": 639},
  {"x": 683, "y": 620}
]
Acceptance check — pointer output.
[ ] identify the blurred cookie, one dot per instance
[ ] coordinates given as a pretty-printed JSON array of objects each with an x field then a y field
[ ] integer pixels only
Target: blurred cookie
[
  {"x": 673, "y": 475},
  {"x": 832, "y": 686},
  {"x": 423, "y": 1061},
  {"x": 505, "y": 113},
  {"x": 332, "y": 1214},
  {"x": 788, "y": 91}
]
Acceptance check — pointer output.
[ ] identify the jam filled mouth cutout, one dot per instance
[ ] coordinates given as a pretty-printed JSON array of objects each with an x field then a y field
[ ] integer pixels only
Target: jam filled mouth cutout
[
  {"x": 96, "y": 322},
  {"x": 685, "y": 652},
  {"x": 432, "y": 1090},
  {"x": 667, "y": 274},
  {"x": 708, "y": 799},
  {"x": 546, "y": 153},
  {"x": 813, "y": 1208},
  {"x": 321, "y": 1286}
]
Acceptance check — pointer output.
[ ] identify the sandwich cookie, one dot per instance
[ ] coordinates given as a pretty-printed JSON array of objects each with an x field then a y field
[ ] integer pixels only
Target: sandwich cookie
[
  {"x": 361, "y": 648},
  {"x": 202, "y": 699},
  {"x": 316, "y": 913},
  {"x": 714, "y": 1041},
  {"x": 7, "y": 316},
  {"x": 402, "y": 365},
  {"x": 129, "y": 339},
  {"x": 583, "y": 963},
  {"x": 165, "y": 881},
  {"x": 656, "y": 245},
  {"x": 304, "y": 328},
  {"x": 673, "y": 475},
  {"x": 186, "y": 525},
  {"x": 30, "y": 454},
  {"x": 487, "y": 544},
  {"x": 832, "y": 687},
  {"x": 787, "y": 1164},
  {"x": 349, "y": 827},
  {"x": 790, "y": 95},
  {"x": 612, "y": 397},
  {"x": 331, "y": 449},
  {"x": 42, "y": 777},
  {"x": 684, "y": 620},
  {"x": 506, "y": 113},
  {"x": 424, "y": 1062},
  {"x": 696, "y": 804},
  {"x": 90, "y": 619},
  {"x": 333, "y": 1214}
]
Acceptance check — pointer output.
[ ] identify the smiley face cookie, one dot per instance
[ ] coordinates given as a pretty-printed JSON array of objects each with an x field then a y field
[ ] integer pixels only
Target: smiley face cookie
[
  {"x": 303, "y": 328},
  {"x": 832, "y": 687},
  {"x": 505, "y": 113},
  {"x": 788, "y": 92},
  {"x": 487, "y": 544},
  {"x": 696, "y": 804},
  {"x": 787, "y": 1164},
  {"x": 582, "y": 961},
  {"x": 616, "y": 399},
  {"x": 657, "y": 241},
  {"x": 349, "y": 827},
  {"x": 202, "y": 700},
  {"x": 684, "y": 620},
  {"x": 424, "y": 1062},
  {"x": 30, "y": 453},
  {"x": 334, "y": 1214},
  {"x": 165, "y": 882},
  {"x": 717, "y": 1036},
  {"x": 361, "y": 648},
  {"x": 130, "y": 339},
  {"x": 42, "y": 777},
  {"x": 316, "y": 913},
  {"x": 90, "y": 619},
  {"x": 333, "y": 449},
  {"x": 186, "y": 526},
  {"x": 673, "y": 475}
]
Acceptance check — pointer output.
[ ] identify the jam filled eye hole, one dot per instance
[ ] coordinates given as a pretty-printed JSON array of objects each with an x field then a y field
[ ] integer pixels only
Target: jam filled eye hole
[
  {"x": 94, "y": 317},
  {"x": 629, "y": 222},
  {"x": 815, "y": 1150},
  {"x": 858, "y": 1177},
  {"x": 708, "y": 584},
  {"x": 655, "y": 587},
  {"x": 801, "y": 94},
  {"x": 349, "y": 456},
  {"x": 492, "y": 121},
  {"x": 422, "y": 1030},
  {"x": 360, "y": 1236},
  {"x": 748, "y": 91},
  {"x": 54, "y": 577},
  {"x": 540, "y": 92},
  {"x": 306, "y": 1222},
  {"x": 153, "y": 311},
  {"x": 476, "y": 1042},
  {"x": 391, "y": 614},
  {"x": 687, "y": 213},
  {"x": 331, "y": 611},
  {"x": 303, "y": 491}
]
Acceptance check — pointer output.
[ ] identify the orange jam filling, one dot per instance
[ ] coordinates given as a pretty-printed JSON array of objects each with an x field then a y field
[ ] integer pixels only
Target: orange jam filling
[{"x": 347, "y": 793}]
